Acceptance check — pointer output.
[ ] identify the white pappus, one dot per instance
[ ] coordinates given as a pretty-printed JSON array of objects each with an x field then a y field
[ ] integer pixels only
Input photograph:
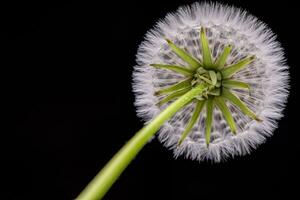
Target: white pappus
[{"x": 267, "y": 75}]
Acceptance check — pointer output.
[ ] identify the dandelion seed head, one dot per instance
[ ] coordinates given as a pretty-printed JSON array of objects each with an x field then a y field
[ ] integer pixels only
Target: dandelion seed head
[{"x": 267, "y": 76}]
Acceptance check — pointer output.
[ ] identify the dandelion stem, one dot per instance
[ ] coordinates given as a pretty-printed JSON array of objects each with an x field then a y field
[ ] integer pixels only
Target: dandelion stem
[{"x": 98, "y": 187}]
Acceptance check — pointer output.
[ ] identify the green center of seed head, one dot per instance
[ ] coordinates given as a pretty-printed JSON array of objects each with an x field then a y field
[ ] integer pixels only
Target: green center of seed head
[
  {"x": 213, "y": 80},
  {"x": 217, "y": 79}
]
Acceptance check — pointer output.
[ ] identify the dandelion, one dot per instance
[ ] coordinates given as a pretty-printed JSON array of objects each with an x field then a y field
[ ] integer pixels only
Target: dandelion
[
  {"x": 240, "y": 62},
  {"x": 211, "y": 80}
]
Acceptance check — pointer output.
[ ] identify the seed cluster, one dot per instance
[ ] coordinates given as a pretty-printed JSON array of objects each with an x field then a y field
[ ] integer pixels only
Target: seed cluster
[{"x": 169, "y": 68}]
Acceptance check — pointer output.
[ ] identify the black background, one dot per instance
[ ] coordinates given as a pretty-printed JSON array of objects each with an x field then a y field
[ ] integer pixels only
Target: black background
[{"x": 68, "y": 106}]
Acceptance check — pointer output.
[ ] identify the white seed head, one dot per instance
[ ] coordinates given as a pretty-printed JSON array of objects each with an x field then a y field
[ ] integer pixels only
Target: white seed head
[{"x": 267, "y": 76}]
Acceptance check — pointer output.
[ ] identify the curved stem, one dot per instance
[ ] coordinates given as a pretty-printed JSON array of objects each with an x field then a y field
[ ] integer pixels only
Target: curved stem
[{"x": 98, "y": 187}]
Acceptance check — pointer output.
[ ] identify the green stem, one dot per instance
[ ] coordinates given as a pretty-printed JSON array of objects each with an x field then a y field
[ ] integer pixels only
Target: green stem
[{"x": 98, "y": 187}]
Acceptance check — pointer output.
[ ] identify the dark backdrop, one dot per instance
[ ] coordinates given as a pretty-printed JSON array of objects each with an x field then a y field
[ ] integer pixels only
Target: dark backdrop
[{"x": 66, "y": 81}]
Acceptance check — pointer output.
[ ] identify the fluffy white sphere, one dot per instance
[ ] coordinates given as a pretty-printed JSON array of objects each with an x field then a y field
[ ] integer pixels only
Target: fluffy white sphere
[{"x": 268, "y": 77}]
